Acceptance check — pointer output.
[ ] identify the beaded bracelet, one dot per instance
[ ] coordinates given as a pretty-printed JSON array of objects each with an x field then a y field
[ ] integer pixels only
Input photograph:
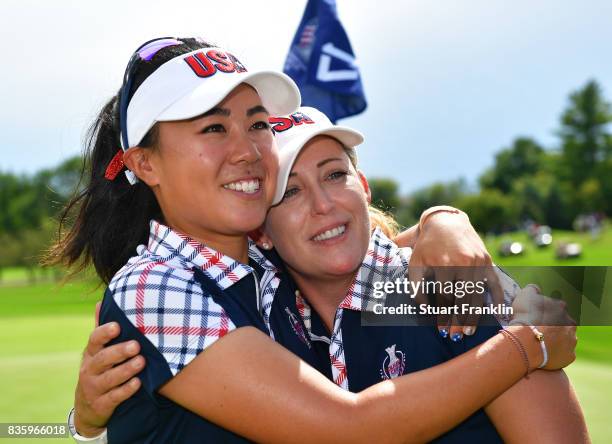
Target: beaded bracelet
[{"x": 517, "y": 342}]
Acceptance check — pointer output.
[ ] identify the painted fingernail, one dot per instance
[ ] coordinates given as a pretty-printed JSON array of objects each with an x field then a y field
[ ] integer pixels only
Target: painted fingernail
[
  {"x": 469, "y": 330},
  {"x": 456, "y": 337},
  {"x": 444, "y": 333}
]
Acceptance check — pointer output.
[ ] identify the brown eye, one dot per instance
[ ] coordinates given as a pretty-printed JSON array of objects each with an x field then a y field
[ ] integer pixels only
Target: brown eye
[
  {"x": 216, "y": 128},
  {"x": 261, "y": 125}
]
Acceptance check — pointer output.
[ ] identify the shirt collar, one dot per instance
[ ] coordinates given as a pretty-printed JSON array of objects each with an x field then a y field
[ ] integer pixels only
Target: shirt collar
[
  {"x": 256, "y": 255},
  {"x": 171, "y": 245},
  {"x": 384, "y": 261}
]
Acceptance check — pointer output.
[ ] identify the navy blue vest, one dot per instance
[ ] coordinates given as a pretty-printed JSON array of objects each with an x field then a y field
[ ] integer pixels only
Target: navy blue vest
[
  {"x": 375, "y": 353},
  {"x": 148, "y": 417}
]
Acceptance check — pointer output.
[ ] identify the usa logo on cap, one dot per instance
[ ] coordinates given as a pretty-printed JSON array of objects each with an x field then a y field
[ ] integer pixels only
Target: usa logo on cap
[{"x": 293, "y": 131}]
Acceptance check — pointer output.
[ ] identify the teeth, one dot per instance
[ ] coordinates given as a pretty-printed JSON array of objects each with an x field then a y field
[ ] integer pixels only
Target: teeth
[
  {"x": 246, "y": 186},
  {"x": 329, "y": 234}
]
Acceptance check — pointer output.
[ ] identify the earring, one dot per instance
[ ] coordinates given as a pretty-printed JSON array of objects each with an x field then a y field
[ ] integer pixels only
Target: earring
[{"x": 266, "y": 246}]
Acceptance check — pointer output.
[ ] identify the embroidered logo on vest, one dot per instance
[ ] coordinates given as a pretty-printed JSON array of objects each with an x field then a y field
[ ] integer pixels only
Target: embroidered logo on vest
[{"x": 393, "y": 364}]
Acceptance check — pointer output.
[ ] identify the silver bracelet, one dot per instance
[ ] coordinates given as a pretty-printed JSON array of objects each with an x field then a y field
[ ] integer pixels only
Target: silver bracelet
[{"x": 100, "y": 439}]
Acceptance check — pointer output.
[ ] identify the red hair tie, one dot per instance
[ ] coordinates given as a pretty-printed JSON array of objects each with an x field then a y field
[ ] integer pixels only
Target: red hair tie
[{"x": 115, "y": 166}]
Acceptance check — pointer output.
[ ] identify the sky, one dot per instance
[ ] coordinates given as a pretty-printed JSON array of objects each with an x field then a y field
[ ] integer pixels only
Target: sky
[{"x": 448, "y": 82}]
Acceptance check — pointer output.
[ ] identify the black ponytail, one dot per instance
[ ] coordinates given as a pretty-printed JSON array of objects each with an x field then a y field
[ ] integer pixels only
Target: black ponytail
[{"x": 112, "y": 216}]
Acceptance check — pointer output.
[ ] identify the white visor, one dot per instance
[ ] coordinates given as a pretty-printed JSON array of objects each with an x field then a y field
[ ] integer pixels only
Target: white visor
[
  {"x": 195, "y": 82},
  {"x": 294, "y": 131}
]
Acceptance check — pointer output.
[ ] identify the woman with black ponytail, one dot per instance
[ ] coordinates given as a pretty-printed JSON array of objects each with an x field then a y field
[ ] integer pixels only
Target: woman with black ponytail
[
  {"x": 112, "y": 214},
  {"x": 103, "y": 205},
  {"x": 183, "y": 166}
]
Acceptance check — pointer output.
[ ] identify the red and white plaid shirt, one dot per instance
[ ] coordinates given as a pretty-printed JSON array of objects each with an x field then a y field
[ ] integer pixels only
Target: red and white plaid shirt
[{"x": 158, "y": 293}]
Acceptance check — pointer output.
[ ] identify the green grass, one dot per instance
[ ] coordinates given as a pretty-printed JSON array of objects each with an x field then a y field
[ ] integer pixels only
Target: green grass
[
  {"x": 592, "y": 381},
  {"x": 48, "y": 299},
  {"x": 591, "y": 374},
  {"x": 535, "y": 266},
  {"x": 14, "y": 274},
  {"x": 39, "y": 362},
  {"x": 595, "y": 344},
  {"x": 43, "y": 329},
  {"x": 595, "y": 251}
]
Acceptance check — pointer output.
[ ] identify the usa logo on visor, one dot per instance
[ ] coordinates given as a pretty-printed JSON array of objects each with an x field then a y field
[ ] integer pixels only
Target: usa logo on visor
[
  {"x": 207, "y": 64},
  {"x": 280, "y": 124}
]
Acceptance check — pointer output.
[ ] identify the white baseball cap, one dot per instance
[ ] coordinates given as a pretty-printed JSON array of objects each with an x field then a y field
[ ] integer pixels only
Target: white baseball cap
[
  {"x": 193, "y": 83},
  {"x": 295, "y": 130}
]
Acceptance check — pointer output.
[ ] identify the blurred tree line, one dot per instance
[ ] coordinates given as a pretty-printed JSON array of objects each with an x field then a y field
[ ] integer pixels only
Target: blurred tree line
[
  {"x": 527, "y": 181},
  {"x": 29, "y": 206}
]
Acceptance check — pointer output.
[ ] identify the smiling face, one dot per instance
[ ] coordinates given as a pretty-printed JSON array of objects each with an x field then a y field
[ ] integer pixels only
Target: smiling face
[
  {"x": 214, "y": 175},
  {"x": 321, "y": 229}
]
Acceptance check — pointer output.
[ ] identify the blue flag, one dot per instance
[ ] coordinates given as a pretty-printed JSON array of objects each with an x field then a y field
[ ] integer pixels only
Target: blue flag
[{"x": 322, "y": 63}]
